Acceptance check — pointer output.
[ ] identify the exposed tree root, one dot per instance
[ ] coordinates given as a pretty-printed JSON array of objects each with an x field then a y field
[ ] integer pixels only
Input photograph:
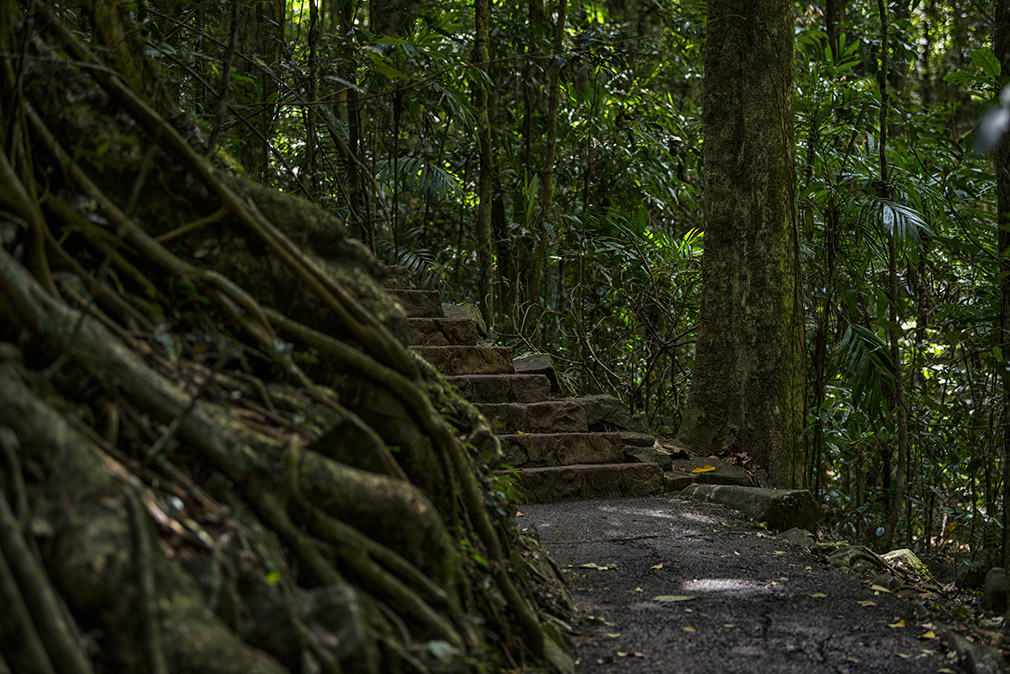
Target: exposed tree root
[{"x": 204, "y": 495}]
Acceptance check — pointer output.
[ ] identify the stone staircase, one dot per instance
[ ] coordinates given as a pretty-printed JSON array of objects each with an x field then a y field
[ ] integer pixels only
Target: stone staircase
[{"x": 546, "y": 440}]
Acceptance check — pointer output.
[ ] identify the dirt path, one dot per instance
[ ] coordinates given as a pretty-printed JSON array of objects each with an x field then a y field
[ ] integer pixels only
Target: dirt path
[{"x": 757, "y": 603}]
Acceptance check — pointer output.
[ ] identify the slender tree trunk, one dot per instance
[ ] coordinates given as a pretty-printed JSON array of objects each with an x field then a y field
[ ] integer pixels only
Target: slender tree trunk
[
  {"x": 482, "y": 11},
  {"x": 834, "y": 16},
  {"x": 535, "y": 271},
  {"x": 899, "y": 482},
  {"x": 747, "y": 388},
  {"x": 1001, "y": 47}
]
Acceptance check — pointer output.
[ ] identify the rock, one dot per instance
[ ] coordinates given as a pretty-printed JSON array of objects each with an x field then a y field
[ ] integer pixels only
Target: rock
[
  {"x": 460, "y": 360},
  {"x": 886, "y": 580},
  {"x": 502, "y": 388},
  {"x": 548, "y": 416},
  {"x": 647, "y": 455},
  {"x": 799, "y": 537},
  {"x": 638, "y": 439},
  {"x": 974, "y": 658},
  {"x": 906, "y": 560},
  {"x": 528, "y": 450},
  {"x": 471, "y": 311},
  {"x": 611, "y": 480},
  {"x": 607, "y": 412},
  {"x": 780, "y": 509},
  {"x": 996, "y": 590},
  {"x": 965, "y": 573},
  {"x": 675, "y": 481},
  {"x": 537, "y": 363},
  {"x": 721, "y": 473}
]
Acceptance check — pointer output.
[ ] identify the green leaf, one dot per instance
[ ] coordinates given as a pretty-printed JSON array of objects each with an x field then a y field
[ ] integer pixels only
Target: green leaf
[
  {"x": 986, "y": 62},
  {"x": 273, "y": 577}
]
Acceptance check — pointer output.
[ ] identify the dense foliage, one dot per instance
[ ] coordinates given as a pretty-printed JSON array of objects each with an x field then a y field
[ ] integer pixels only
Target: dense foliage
[{"x": 596, "y": 196}]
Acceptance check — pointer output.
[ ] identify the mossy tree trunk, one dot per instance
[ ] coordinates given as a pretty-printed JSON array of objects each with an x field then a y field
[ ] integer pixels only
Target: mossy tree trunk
[{"x": 747, "y": 388}]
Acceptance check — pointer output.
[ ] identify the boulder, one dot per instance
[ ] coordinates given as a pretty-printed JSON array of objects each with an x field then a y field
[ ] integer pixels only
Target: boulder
[
  {"x": 906, "y": 560},
  {"x": 996, "y": 590},
  {"x": 635, "y": 454},
  {"x": 706, "y": 470},
  {"x": 780, "y": 509},
  {"x": 471, "y": 311},
  {"x": 537, "y": 363},
  {"x": 638, "y": 439},
  {"x": 799, "y": 536},
  {"x": 607, "y": 412}
]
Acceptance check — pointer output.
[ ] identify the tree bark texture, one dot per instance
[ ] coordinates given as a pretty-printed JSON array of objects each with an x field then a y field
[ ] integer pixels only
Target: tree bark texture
[{"x": 747, "y": 388}]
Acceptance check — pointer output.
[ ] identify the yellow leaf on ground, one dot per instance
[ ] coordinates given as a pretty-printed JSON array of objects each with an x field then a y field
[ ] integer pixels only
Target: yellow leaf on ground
[
  {"x": 945, "y": 670},
  {"x": 613, "y": 635},
  {"x": 780, "y": 552},
  {"x": 900, "y": 623},
  {"x": 520, "y": 514},
  {"x": 867, "y": 602},
  {"x": 903, "y": 655},
  {"x": 703, "y": 469},
  {"x": 673, "y": 597},
  {"x": 928, "y": 635},
  {"x": 851, "y": 660},
  {"x": 818, "y": 595},
  {"x": 688, "y": 629},
  {"x": 880, "y": 588},
  {"x": 638, "y": 589},
  {"x": 657, "y": 566}
]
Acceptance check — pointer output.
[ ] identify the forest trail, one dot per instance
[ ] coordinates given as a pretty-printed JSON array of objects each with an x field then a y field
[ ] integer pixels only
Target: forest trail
[
  {"x": 668, "y": 585},
  {"x": 561, "y": 449}
]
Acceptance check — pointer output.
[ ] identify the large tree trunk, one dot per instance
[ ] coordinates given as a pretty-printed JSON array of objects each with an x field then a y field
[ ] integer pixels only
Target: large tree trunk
[{"x": 747, "y": 389}]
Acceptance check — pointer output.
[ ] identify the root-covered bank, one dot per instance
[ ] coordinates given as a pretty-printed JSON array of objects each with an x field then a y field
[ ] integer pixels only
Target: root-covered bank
[{"x": 216, "y": 453}]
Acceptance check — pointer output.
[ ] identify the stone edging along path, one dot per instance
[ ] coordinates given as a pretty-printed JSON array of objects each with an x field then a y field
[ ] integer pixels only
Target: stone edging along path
[{"x": 670, "y": 584}]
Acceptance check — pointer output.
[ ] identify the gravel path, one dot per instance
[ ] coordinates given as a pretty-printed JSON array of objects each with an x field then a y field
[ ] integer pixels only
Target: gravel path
[{"x": 680, "y": 586}]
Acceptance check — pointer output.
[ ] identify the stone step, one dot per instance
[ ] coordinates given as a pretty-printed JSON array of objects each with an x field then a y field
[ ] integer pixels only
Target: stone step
[
  {"x": 419, "y": 303},
  {"x": 397, "y": 277},
  {"x": 549, "y": 416},
  {"x": 454, "y": 360},
  {"x": 502, "y": 388},
  {"x": 534, "y": 450},
  {"x": 441, "y": 332},
  {"x": 609, "y": 480}
]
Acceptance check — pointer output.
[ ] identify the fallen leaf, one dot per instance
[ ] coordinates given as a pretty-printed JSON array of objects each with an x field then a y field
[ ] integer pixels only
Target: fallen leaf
[
  {"x": 598, "y": 567},
  {"x": 736, "y": 552},
  {"x": 520, "y": 514},
  {"x": 638, "y": 589},
  {"x": 867, "y": 602},
  {"x": 899, "y": 623},
  {"x": 878, "y": 588},
  {"x": 945, "y": 670},
  {"x": 673, "y": 597},
  {"x": 818, "y": 595},
  {"x": 703, "y": 469},
  {"x": 622, "y": 654},
  {"x": 688, "y": 629},
  {"x": 851, "y": 660},
  {"x": 928, "y": 635},
  {"x": 758, "y": 525},
  {"x": 657, "y": 566},
  {"x": 638, "y": 655},
  {"x": 903, "y": 655},
  {"x": 613, "y": 635},
  {"x": 725, "y": 524},
  {"x": 780, "y": 552}
]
